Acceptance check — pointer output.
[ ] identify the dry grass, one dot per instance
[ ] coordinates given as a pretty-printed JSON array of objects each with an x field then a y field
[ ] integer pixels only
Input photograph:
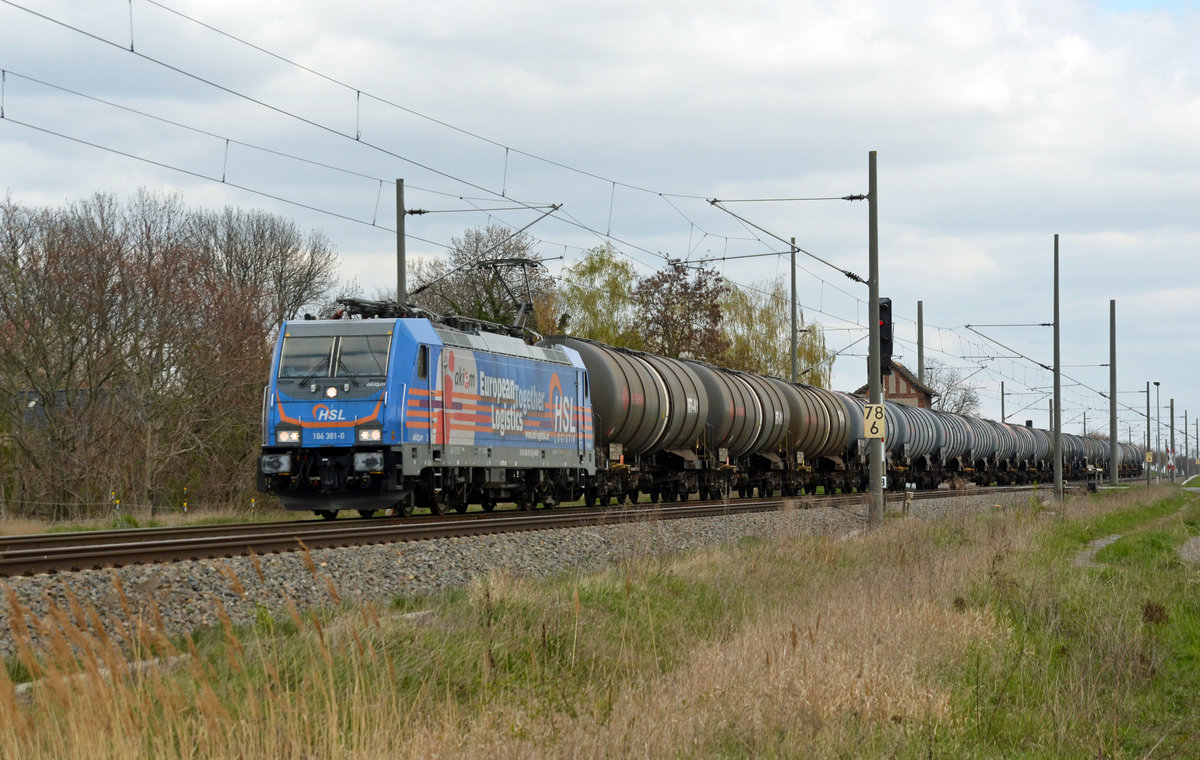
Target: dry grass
[
  {"x": 861, "y": 642},
  {"x": 142, "y": 517},
  {"x": 807, "y": 647}
]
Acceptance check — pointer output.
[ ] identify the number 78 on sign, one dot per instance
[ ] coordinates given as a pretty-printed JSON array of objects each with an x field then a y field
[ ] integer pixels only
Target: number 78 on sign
[{"x": 874, "y": 424}]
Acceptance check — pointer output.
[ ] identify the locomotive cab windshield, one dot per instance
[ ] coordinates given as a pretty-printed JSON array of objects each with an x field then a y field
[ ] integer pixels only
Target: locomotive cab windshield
[{"x": 320, "y": 352}]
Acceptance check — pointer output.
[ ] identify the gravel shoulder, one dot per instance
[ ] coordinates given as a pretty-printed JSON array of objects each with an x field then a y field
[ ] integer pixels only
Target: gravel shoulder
[{"x": 183, "y": 596}]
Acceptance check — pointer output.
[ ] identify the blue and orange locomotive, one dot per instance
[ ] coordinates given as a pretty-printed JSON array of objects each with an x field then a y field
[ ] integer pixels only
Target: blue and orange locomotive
[{"x": 397, "y": 412}]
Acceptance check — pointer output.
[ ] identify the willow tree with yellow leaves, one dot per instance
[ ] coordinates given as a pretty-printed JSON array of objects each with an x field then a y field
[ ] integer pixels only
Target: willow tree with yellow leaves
[{"x": 757, "y": 323}]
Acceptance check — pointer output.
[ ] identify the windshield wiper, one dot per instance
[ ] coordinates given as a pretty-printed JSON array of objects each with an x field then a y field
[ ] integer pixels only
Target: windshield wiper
[
  {"x": 313, "y": 373},
  {"x": 342, "y": 368}
]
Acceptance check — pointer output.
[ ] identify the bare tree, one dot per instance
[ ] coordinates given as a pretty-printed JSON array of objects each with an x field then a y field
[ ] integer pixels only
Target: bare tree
[
  {"x": 679, "y": 310},
  {"x": 65, "y": 349},
  {"x": 131, "y": 357},
  {"x": 955, "y": 394},
  {"x": 489, "y": 274},
  {"x": 266, "y": 254}
]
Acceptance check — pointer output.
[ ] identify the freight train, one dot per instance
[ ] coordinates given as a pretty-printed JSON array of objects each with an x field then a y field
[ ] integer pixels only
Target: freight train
[{"x": 394, "y": 408}]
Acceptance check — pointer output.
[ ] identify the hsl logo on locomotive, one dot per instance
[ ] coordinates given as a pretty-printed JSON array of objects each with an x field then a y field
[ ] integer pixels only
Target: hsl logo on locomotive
[
  {"x": 564, "y": 407},
  {"x": 322, "y": 413}
]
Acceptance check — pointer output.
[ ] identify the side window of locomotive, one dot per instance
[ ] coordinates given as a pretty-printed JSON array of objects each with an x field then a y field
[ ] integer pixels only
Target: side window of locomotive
[
  {"x": 423, "y": 363},
  {"x": 363, "y": 356},
  {"x": 305, "y": 356},
  {"x": 587, "y": 393}
]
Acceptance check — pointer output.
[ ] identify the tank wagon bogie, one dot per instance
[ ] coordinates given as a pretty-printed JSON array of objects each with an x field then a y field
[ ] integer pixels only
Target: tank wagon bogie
[{"x": 406, "y": 412}]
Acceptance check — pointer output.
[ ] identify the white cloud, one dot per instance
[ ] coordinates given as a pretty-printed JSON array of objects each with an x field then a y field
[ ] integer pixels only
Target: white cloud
[{"x": 997, "y": 125}]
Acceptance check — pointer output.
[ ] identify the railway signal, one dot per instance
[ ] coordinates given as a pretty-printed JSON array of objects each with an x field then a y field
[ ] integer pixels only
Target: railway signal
[{"x": 885, "y": 336}]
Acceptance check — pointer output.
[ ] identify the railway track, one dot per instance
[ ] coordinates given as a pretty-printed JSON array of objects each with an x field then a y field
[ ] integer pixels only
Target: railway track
[{"x": 50, "y": 553}]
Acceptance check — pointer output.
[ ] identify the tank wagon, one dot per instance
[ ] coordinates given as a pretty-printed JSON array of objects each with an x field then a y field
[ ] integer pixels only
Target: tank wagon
[{"x": 409, "y": 411}]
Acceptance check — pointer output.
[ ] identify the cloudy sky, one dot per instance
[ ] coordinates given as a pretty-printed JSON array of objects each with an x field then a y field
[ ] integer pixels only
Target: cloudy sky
[{"x": 996, "y": 124}]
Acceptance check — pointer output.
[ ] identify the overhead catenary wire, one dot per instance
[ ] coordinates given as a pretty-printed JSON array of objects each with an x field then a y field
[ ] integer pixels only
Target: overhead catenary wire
[
  {"x": 851, "y": 275},
  {"x": 356, "y": 137},
  {"x": 359, "y": 93}
]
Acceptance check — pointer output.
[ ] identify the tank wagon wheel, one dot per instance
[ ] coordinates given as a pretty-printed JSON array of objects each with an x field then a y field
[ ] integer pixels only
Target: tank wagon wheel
[
  {"x": 487, "y": 504},
  {"x": 524, "y": 503},
  {"x": 366, "y": 513},
  {"x": 404, "y": 507},
  {"x": 634, "y": 495},
  {"x": 461, "y": 506},
  {"x": 589, "y": 497},
  {"x": 327, "y": 514},
  {"x": 434, "y": 502}
]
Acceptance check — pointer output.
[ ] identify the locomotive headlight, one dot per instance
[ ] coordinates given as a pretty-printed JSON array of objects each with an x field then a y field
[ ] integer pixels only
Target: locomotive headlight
[
  {"x": 370, "y": 435},
  {"x": 331, "y": 392},
  {"x": 287, "y": 436}
]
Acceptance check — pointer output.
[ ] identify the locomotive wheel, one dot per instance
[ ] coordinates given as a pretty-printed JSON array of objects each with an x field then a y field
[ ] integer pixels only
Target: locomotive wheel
[
  {"x": 328, "y": 514},
  {"x": 589, "y": 497}
]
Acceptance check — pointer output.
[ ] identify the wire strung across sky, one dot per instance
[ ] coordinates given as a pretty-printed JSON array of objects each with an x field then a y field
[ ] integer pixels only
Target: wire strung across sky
[{"x": 606, "y": 236}]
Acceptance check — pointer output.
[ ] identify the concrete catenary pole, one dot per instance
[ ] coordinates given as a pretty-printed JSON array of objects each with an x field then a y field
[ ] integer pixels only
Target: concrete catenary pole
[
  {"x": 1114, "y": 448},
  {"x": 1003, "y": 416},
  {"x": 1171, "y": 459},
  {"x": 401, "y": 264},
  {"x": 1147, "y": 464},
  {"x": 921, "y": 342},
  {"x": 1057, "y": 382},
  {"x": 1157, "y": 433},
  {"x": 1057, "y": 424},
  {"x": 795, "y": 359},
  {"x": 874, "y": 445}
]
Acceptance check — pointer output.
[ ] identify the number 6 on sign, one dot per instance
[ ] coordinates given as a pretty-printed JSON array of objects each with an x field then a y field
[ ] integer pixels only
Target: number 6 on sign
[{"x": 874, "y": 424}]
